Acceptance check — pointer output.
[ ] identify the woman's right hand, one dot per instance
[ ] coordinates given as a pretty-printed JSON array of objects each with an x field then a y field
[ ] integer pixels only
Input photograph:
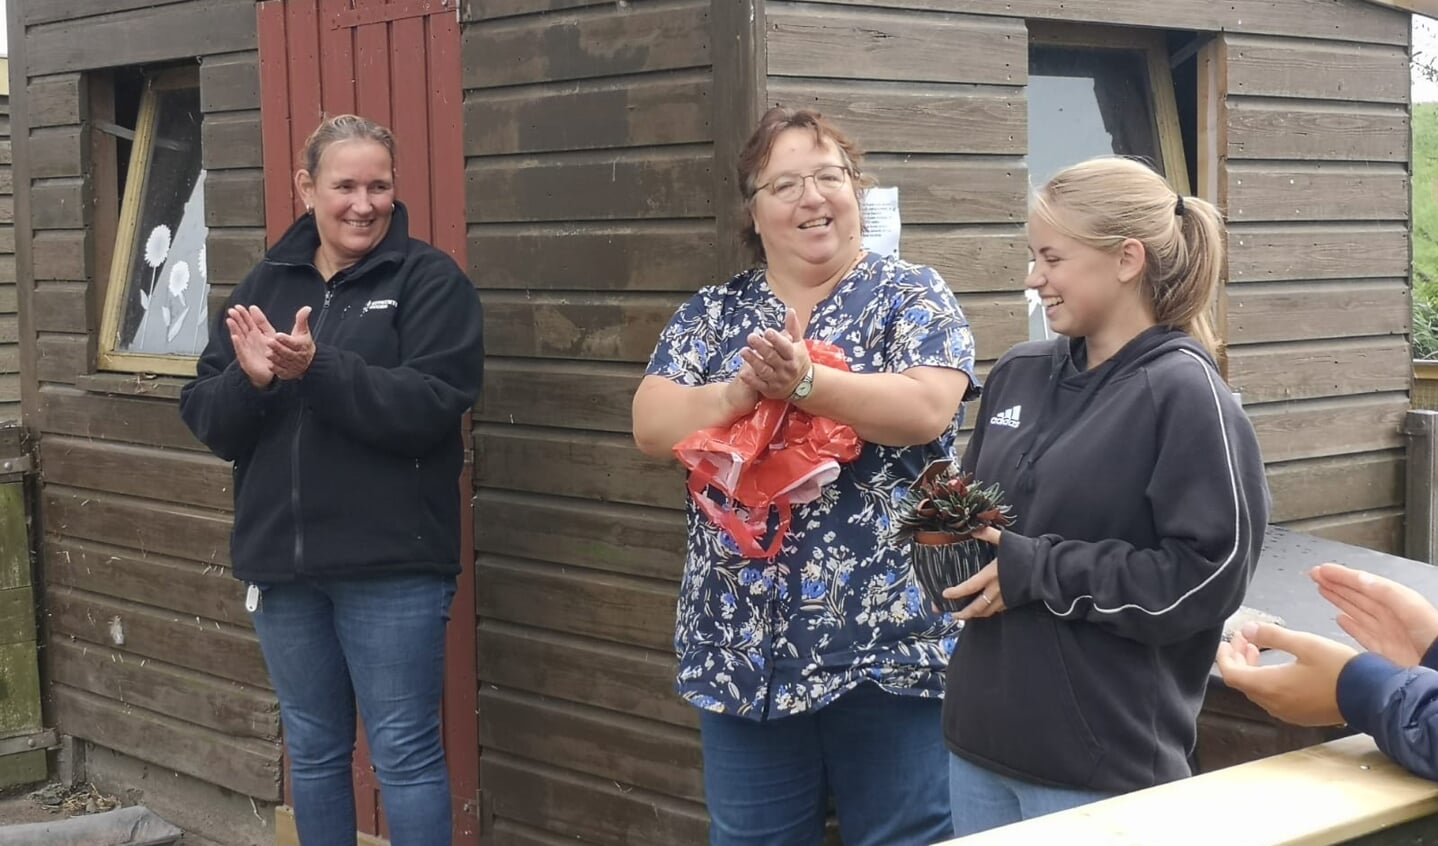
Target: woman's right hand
[
  {"x": 247, "y": 334},
  {"x": 741, "y": 394},
  {"x": 1385, "y": 617}
]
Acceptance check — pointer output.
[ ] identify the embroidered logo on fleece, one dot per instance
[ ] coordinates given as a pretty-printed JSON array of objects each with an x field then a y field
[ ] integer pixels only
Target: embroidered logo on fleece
[
  {"x": 1008, "y": 417},
  {"x": 378, "y": 305}
]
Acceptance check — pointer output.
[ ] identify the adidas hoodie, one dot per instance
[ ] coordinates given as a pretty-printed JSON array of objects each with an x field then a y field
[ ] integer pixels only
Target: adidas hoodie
[{"x": 1141, "y": 505}]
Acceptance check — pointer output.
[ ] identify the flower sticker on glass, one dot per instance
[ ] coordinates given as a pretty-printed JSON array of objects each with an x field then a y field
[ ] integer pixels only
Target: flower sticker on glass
[{"x": 157, "y": 249}]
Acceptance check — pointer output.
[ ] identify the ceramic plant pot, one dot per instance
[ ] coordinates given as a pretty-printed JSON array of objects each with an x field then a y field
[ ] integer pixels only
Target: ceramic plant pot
[{"x": 941, "y": 561}]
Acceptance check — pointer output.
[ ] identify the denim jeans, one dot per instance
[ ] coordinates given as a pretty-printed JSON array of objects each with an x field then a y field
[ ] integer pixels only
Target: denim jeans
[
  {"x": 983, "y": 799},
  {"x": 380, "y": 641},
  {"x": 883, "y": 756}
]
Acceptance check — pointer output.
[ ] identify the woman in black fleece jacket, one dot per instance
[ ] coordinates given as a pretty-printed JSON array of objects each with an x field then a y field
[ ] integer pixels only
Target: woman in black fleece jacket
[{"x": 1141, "y": 506}]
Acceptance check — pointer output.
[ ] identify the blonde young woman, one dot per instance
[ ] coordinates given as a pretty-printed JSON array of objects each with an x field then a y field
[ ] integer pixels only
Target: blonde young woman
[{"x": 1141, "y": 506}]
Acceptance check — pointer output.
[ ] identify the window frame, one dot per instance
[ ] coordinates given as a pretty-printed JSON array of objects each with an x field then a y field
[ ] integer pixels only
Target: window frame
[
  {"x": 1164, "y": 105},
  {"x": 124, "y": 245}
]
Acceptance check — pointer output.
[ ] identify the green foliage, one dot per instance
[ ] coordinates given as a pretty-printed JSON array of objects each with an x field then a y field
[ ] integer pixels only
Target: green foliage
[
  {"x": 951, "y": 502},
  {"x": 1425, "y": 207}
]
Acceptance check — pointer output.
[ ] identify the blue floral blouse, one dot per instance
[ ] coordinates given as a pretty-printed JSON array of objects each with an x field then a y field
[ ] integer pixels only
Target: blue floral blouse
[{"x": 839, "y": 605}]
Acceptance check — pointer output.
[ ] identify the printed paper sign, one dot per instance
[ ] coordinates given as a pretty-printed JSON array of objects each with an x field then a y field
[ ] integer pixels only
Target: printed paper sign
[{"x": 881, "y": 221}]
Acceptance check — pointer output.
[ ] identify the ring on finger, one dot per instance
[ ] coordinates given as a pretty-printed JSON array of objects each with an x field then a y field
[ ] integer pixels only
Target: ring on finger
[{"x": 986, "y": 599}]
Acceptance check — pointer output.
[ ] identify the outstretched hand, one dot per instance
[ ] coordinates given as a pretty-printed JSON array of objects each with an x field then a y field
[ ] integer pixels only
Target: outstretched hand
[
  {"x": 1303, "y": 692},
  {"x": 1384, "y": 616},
  {"x": 251, "y": 343}
]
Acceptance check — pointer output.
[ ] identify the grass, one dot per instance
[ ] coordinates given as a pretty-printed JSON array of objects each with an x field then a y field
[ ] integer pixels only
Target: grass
[{"x": 1425, "y": 230}]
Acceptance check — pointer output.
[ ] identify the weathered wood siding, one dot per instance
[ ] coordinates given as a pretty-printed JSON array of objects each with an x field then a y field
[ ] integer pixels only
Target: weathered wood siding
[
  {"x": 590, "y": 169},
  {"x": 150, "y": 653},
  {"x": 1314, "y": 137},
  {"x": 9, "y": 294}
]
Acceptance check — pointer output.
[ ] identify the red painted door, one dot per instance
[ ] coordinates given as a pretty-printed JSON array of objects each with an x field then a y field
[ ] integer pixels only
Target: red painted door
[{"x": 396, "y": 62}]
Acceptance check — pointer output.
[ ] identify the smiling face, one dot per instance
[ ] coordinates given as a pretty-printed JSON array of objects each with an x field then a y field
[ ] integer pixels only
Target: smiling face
[
  {"x": 817, "y": 229},
  {"x": 1084, "y": 289},
  {"x": 352, "y": 196}
]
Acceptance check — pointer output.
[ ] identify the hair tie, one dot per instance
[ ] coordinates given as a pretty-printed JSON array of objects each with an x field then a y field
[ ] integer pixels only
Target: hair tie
[{"x": 1178, "y": 207}]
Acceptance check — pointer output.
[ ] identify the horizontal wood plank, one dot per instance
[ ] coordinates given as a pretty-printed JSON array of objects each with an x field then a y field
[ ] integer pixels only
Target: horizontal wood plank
[
  {"x": 9, "y": 329},
  {"x": 63, "y": 358},
  {"x": 1282, "y": 67},
  {"x": 1320, "y": 251},
  {"x": 187, "y": 477},
  {"x": 61, "y": 307},
  {"x": 1306, "y": 489},
  {"x": 155, "y": 34},
  {"x": 1380, "y": 530},
  {"x": 608, "y": 468},
  {"x": 193, "y": 697},
  {"x": 607, "y": 327},
  {"x": 1317, "y": 191},
  {"x": 59, "y": 204},
  {"x": 235, "y": 198},
  {"x": 1267, "y": 373},
  {"x": 250, "y": 767},
  {"x": 970, "y": 259},
  {"x": 139, "y": 525},
  {"x": 668, "y": 183},
  {"x": 136, "y": 421},
  {"x": 59, "y": 100},
  {"x": 495, "y": 9},
  {"x": 571, "y": 395},
  {"x": 808, "y": 40},
  {"x": 1339, "y": 20},
  {"x": 916, "y": 119},
  {"x": 624, "y": 539},
  {"x": 965, "y": 189},
  {"x": 1328, "y": 427},
  {"x": 230, "y": 83},
  {"x": 59, "y": 10},
  {"x": 597, "y": 809},
  {"x": 60, "y": 151},
  {"x": 230, "y": 254},
  {"x": 225, "y": 652},
  {"x": 639, "y": 256},
  {"x": 1297, "y": 311},
  {"x": 61, "y": 255},
  {"x": 621, "y": 40},
  {"x": 618, "y": 747},
  {"x": 649, "y": 111},
  {"x": 598, "y": 673},
  {"x": 231, "y": 140},
  {"x": 620, "y": 609},
  {"x": 1265, "y": 129},
  {"x": 185, "y": 587}
]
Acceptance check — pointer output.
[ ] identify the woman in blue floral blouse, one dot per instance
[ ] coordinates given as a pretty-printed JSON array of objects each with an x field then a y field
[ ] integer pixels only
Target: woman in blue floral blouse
[{"x": 821, "y": 670}]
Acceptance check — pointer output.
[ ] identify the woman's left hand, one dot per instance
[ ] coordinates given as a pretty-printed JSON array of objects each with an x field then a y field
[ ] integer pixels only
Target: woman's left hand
[
  {"x": 777, "y": 361},
  {"x": 983, "y": 587}
]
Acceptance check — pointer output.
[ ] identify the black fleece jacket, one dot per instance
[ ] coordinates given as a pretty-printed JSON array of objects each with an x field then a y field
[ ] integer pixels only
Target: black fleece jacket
[
  {"x": 1141, "y": 505},
  {"x": 352, "y": 470}
]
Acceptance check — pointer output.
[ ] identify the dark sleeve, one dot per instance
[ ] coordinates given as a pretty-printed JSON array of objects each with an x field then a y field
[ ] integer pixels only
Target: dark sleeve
[
  {"x": 1397, "y": 706},
  {"x": 220, "y": 405},
  {"x": 407, "y": 409},
  {"x": 1209, "y": 501},
  {"x": 1430, "y": 658}
]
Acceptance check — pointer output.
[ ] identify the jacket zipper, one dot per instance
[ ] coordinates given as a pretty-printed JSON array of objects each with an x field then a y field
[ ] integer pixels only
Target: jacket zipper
[{"x": 295, "y": 446}]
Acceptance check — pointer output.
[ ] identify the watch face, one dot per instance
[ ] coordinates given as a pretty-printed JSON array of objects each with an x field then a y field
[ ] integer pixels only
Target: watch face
[{"x": 804, "y": 389}]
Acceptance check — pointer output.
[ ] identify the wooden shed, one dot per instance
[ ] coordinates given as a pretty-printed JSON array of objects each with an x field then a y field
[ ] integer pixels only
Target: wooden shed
[{"x": 595, "y": 143}]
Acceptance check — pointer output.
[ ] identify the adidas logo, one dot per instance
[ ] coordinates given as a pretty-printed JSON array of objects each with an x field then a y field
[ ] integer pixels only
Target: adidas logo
[{"x": 1008, "y": 417}]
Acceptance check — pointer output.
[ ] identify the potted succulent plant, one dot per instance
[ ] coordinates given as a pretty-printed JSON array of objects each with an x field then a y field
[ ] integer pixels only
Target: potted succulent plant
[{"x": 938, "y": 517}]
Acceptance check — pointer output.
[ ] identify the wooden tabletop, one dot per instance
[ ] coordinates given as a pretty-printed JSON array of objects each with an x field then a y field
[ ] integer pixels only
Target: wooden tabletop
[{"x": 1314, "y": 797}]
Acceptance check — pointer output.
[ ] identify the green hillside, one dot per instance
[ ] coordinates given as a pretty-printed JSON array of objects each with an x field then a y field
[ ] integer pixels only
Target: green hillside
[{"x": 1425, "y": 230}]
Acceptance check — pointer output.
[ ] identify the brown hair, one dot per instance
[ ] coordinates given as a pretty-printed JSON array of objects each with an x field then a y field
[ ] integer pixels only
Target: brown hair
[
  {"x": 1104, "y": 201},
  {"x": 755, "y": 156},
  {"x": 343, "y": 128}
]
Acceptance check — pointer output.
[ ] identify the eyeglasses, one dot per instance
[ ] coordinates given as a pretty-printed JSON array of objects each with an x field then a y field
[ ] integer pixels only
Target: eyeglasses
[{"x": 789, "y": 187}]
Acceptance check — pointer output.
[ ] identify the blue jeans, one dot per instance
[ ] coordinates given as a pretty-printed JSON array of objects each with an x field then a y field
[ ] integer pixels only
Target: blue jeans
[
  {"x": 767, "y": 784},
  {"x": 380, "y": 641},
  {"x": 983, "y": 799}
]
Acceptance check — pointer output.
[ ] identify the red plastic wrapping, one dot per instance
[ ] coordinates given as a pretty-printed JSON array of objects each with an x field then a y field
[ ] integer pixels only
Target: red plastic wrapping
[{"x": 775, "y": 457}]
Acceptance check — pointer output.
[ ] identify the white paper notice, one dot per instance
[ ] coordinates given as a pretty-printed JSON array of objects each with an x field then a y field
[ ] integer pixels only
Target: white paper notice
[{"x": 881, "y": 221}]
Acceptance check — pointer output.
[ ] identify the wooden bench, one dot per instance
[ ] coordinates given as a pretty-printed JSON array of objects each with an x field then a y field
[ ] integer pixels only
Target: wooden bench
[{"x": 1344, "y": 791}]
